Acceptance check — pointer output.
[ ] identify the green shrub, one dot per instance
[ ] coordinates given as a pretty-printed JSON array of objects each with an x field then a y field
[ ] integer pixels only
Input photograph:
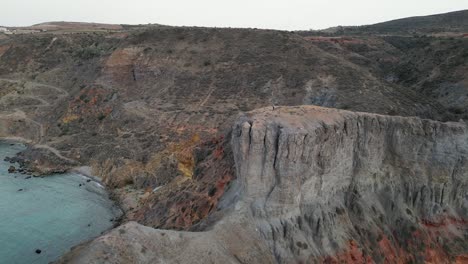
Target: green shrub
[
  {"x": 88, "y": 52},
  {"x": 456, "y": 110},
  {"x": 101, "y": 117}
]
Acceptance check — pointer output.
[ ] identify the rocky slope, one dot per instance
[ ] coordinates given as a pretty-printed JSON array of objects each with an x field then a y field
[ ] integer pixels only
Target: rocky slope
[
  {"x": 435, "y": 66},
  {"x": 322, "y": 185},
  {"x": 427, "y": 54}
]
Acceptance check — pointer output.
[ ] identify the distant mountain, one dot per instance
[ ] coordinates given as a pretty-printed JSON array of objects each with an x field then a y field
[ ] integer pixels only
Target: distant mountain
[
  {"x": 75, "y": 25},
  {"x": 70, "y": 27},
  {"x": 448, "y": 22}
]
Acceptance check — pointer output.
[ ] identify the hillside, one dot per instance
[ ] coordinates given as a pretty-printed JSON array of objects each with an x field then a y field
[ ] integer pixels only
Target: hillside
[
  {"x": 436, "y": 67},
  {"x": 453, "y": 22},
  {"x": 75, "y": 26}
]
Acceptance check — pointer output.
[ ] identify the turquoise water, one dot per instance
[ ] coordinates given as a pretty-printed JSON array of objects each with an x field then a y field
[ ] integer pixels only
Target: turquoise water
[{"x": 51, "y": 214}]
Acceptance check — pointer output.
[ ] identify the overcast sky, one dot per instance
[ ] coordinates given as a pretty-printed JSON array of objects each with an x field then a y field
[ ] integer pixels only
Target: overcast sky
[{"x": 275, "y": 14}]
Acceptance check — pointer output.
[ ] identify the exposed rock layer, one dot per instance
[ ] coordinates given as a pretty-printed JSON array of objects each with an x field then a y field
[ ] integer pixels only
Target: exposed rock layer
[
  {"x": 323, "y": 185},
  {"x": 317, "y": 178}
]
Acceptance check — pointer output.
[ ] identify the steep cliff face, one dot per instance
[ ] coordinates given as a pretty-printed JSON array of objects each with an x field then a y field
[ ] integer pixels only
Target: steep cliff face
[
  {"x": 324, "y": 185},
  {"x": 321, "y": 180}
]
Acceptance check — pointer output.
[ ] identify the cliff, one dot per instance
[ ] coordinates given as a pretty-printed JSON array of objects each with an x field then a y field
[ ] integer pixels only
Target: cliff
[
  {"x": 322, "y": 185},
  {"x": 321, "y": 180}
]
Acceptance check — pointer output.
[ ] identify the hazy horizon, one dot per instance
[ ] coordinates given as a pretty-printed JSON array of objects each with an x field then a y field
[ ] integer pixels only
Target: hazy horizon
[{"x": 291, "y": 15}]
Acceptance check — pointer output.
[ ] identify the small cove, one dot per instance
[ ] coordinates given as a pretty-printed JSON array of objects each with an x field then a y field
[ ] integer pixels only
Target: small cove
[{"x": 52, "y": 213}]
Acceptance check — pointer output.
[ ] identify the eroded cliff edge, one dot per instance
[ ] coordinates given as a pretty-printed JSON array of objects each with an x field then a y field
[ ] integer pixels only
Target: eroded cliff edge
[
  {"x": 319, "y": 180},
  {"x": 323, "y": 185}
]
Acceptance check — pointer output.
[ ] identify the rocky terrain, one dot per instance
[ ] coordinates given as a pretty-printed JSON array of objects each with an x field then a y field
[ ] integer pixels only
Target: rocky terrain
[
  {"x": 323, "y": 185},
  {"x": 150, "y": 109},
  {"x": 430, "y": 65}
]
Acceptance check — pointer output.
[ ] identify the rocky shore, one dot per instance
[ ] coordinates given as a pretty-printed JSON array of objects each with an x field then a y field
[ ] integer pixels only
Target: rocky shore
[{"x": 39, "y": 162}]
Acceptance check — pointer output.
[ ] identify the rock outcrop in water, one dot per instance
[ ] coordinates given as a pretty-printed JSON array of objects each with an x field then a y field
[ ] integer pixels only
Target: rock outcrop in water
[{"x": 323, "y": 185}]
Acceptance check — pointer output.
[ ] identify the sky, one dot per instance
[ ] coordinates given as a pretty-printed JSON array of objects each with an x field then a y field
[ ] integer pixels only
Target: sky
[{"x": 272, "y": 14}]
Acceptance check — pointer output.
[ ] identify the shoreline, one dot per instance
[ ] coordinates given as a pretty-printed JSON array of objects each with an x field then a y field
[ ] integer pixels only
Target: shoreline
[
  {"x": 17, "y": 139},
  {"x": 77, "y": 175},
  {"x": 84, "y": 171}
]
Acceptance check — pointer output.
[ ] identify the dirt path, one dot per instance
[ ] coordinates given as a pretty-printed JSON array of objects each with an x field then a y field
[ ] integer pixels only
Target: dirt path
[
  {"x": 31, "y": 85},
  {"x": 212, "y": 89},
  {"x": 62, "y": 91},
  {"x": 44, "y": 103},
  {"x": 18, "y": 113},
  {"x": 22, "y": 115},
  {"x": 55, "y": 151}
]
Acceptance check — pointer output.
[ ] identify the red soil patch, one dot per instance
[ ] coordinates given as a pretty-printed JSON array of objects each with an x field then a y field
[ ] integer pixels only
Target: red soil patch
[
  {"x": 122, "y": 57},
  {"x": 3, "y": 49},
  {"x": 91, "y": 102},
  {"x": 445, "y": 222},
  {"x": 183, "y": 204},
  {"x": 423, "y": 244},
  {"x": 462, "y": 259},
  {"x": 353, "y": 254}
]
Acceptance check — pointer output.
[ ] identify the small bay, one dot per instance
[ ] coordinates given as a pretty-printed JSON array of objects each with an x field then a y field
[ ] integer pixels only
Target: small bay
[{"x": 48, "y": 214}]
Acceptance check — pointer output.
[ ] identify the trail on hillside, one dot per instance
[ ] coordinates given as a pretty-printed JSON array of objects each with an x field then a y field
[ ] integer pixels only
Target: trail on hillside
[{"x": 63, "y": 92}]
